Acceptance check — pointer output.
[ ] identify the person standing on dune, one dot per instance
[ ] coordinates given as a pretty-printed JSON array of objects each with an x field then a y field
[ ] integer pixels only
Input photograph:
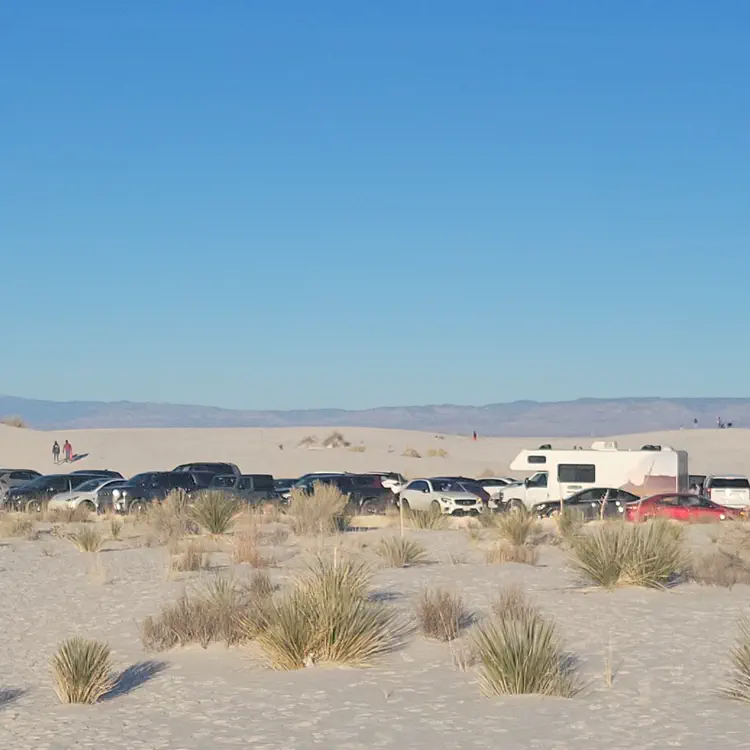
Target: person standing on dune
[
  {"x": 68, "y": 449},
  {"x": 56, "y": 452}
]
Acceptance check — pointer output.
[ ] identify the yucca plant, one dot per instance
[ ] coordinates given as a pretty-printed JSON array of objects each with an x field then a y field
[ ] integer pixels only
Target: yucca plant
[
  {"x": 322, "y": 511},
  {"x": 738, "y": 686},
  {"x": 215, "y": 511},
  {"x": 87, "y": 539},
  {"x": 522, "y": 654},
  {"x": 619, "y": 554},
  {"x": 82, "y": 671},
  {"x": 441, "y": 614},
  {"x": 400, "y": 552},
  {"x": 516, "y": 526},
  {"x": 426, "y": 520}
]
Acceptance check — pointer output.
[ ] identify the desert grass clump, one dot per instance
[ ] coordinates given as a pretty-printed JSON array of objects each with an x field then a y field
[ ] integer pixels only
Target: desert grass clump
[
  {"x": 215, "y": 511},
  {"x": 308, "y": 441},
  {"x": 190, "y": 556},
  {"x": 358, "y": 448},
  {"x": 336, "y": 440},
  {"x": 15, "y": 525},
  {"x": 82, "y": 671},
  {"x": 115, "y": 529},
  {"x": 411, "y": 453},
  {"x": 323, "y": 511},
  {"x": 260, "y": 585},
  {"x": 86, "y": 539},
  {"x": 516, "y": 526},
  {"x": 437, "y": 453},
  {"x": 329, "y": 618},
  {"x": 441, "y": 614},
  {"x": 569, "y": 522},
  {"x": 720, "y": 567},
  {"x": 511, "y": 603},
  {"x": 737, "y": 686},
  {"x": 400, "y": 552},
  {"x": 621, "y": 554},
  {"x": 245, "y": 550},
  {"x": 14, "y": 421},
  {"x": 522, "y": 654},
  {"x": 426, "y": 520},
  {"x": 505, "y": 552},
  {"x": 171, "y": 519}
]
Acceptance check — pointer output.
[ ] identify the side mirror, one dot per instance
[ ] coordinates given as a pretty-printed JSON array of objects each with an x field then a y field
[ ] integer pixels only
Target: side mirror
[
  {"x": 425, "y": 490},
  {"x": 526, "y": 482}
]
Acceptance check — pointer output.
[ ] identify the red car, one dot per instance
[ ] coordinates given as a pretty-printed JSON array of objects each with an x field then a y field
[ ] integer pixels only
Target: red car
[{"x": 680, "y": 506}]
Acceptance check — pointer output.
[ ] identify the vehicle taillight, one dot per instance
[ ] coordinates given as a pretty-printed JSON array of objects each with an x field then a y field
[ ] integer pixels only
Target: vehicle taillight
[{"x": 708, "y": 492}]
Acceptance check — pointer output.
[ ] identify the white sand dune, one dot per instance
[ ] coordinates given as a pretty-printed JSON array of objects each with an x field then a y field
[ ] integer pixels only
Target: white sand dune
[{"x": 257, "y": 450}]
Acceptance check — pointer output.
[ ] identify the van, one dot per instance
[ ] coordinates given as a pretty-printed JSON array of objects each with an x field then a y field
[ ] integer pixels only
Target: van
[{"x": 563, "y": 472}]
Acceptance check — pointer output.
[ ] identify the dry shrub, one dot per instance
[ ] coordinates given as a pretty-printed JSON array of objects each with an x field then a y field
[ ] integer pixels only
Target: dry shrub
[
  {"x": 82, "y": 671},
  {"x": 358, "y": 448},
  {"x": 215, "y": 511},
  {"x": 411, "y": 453},
  {"x": 307, "y": 441},
  {"x": 80, "y": 514},
  {"x": 16, "y": 525},
  {"x": 323, "y": 511},
  {"x": 504, "y": 552},
  {"x": 245, "y": 550},
  {"x": 328, "y": 618},
  {"x": 516, "y": 526},
  {"x": 13, "y": 421},
  {"x": 426, "y": 520},
  {"x": 569, "y": 522},
  {"x": 260, "y": 585},
  {"x": 400, "y": 552},
  {"x": 223, "y": 610},
  {"x": 437, "y": 453},
  {"x": 336, "y": 440},
  {"x": 189, "y": 556},
  {"x": 720, "y": 568},
  {"x": 520, "y": 654},
  {"x": 115, "y": 529},
  {"x": 86, "y": 539},
  {"x": 511, "y": 602},
  {"x": 171, "y": 519},
  {"x": 441, "y": 614},
  {"x": 737, "y": 686},
  {"x": 276, "y": 537},
  {"x": 621, "y": 554}
]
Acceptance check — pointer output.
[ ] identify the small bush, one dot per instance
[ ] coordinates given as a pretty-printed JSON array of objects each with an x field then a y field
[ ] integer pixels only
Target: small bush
[
  {"x": 245, "y": 550},
  {"x": 260, "y": 585},
  {"x": 720, "y": 568},
  {"x": 504, "y": 552},
  {"x": 399, "y": 552},
  {"x": 307, "y": 441},
  {"x": 13, "y": 525},
  {"x": 82, "y": 671},
  {"x": 738, "y": 685},
  {"x": 171, "y": 519},
  {"x": 358, "y": 448},
  {"x": 336, "y": 440},
  {"x": 620, "y": 554},
  {"x": 411, "y": 453},
  {"x": 327, "y": 618},
  {"x": 323, "y": 511},
  {"x": 215, "y": 511},
  {"x": 13, "y": 421},
  {"x": 516, "y": 526},
  {"x": 426, "y": 520},
  {"x": 512, "y": 603},
  {"x": 437, "y": 453},
  {"x": 569, "y": 522},
  {"x": 86, "y": 539},
  {"x": 442, "y": 615},
  {"x": 190, "y": 557},
  {"x": 115, "y": 529},
  {"x": 522, "y": 654}
]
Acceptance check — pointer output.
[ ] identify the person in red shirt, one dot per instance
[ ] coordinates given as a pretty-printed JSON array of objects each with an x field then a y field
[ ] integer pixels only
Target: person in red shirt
[{"x": 68, "y": 450}]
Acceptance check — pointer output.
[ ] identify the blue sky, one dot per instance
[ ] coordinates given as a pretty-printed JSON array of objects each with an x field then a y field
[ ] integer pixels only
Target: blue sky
[{"x": 298, "y": 205}]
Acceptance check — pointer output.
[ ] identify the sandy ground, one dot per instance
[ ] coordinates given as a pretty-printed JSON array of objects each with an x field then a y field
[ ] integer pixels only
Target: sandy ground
[
  {"x": 669, "y": 647},
  {"x": 669, "y": 652},
  {"x": 257, "y": 450}
]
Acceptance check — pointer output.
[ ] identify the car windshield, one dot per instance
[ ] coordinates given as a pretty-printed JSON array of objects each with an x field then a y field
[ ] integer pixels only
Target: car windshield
[
  {"x": 90, "y": 485},
  {"x": 149, "y": 476},
  {"x": 223, "y": 480},
  {"x": 42, "y": 481},
  {"x": 447, "y": 485},
  {"x": 730, "y": 483}
]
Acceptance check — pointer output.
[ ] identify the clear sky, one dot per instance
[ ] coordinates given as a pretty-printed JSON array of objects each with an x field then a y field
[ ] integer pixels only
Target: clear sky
[{"x": 300, "y": 204}]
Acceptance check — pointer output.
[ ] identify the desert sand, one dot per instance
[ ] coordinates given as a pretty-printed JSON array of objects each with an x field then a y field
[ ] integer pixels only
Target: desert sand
[{"x": 668, "y": 648}]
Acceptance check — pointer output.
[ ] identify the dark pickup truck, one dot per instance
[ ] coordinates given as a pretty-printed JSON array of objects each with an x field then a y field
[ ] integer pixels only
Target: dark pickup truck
[
  {"x": 366, "y": 494},
  {"x": 249, "y": 488},
  {"x": 143, "y": 489}
]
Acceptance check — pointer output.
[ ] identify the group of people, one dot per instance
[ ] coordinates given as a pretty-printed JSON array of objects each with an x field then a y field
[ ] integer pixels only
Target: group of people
[{"x": 67, "y": 450}]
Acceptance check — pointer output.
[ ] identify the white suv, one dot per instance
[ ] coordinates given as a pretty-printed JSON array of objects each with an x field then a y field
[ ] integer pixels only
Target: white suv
[{"x": 729, "y": 490}]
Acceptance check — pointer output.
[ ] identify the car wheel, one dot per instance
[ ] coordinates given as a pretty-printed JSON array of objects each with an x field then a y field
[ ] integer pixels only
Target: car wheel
[
  {"x": 34, "y": 506},
  {"x": 516, "y": 504},
  {"x": 87, "y": 506},
  {"x": 404, "y": 503},
  {"x": 369, "y": 507},
  {"x": 137, "y": 507}
]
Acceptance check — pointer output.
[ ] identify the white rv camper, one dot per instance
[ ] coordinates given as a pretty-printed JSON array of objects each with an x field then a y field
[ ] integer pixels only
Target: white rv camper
[{"x": 560, "y": 473}]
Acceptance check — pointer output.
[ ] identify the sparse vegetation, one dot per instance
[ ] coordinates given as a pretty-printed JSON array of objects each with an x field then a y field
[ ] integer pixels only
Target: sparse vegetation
[
  {"x": 400, "y": 552},
  {"x": 115, "y": 529},
  {"x": 189, "y": 556},
  {"x": 82, "y": 671},
  {"x": 245, "y": 550},
  {"x": 358, "y": 448},
  {"x": 516, "y": 526},
  {"x": 511, "y": 603},
  {"x": 569, "y": 522},
  {"x": 620, "y": 554},
  {"x": 260, "y": 585},
  {"x": 520, "y": 653},
  {"x": 328, "y": 618},
  {"x": 323, "y": 511},
  {"x": 738, "y": 685},
  {"x": 504, "y": 552},
  {"x": 437, "y": 453},
  {"x": 720, "y": 567},
  {"x": 336, "y": 440},
  {"x": 171, "y": 519},
  {"x": 307, "y": 441},
  {"x": 13, "y": 421},
  {"x": 215, "y": 511},
  {"x": 86, "y": 539},
  {"x": 411, "y": 453},
  {"x": 426, "y": 520},
  {"x": 15, "y": 525},
  {"x": 442, "y": 615}
]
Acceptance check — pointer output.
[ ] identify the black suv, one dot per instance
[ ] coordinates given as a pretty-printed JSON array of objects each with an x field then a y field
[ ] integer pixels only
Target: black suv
[
  {"x": 33, "y": 495},
  {"x": 139, "y": 492},
  {"x": 209, "y": 467},
  {"x": 365, "y": 492},
  {"x": 100, "y": 473},
  {"x": 251, "y": 488}
]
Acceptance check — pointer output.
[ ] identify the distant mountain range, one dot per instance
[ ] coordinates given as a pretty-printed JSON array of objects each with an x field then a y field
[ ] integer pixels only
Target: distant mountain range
[{"x": 583, "y": 417}]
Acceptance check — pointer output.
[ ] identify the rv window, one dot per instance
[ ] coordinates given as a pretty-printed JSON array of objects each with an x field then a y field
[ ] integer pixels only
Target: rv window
[
  {"x": 576, "y": 473},
  {"x": 537, "y": 459}
]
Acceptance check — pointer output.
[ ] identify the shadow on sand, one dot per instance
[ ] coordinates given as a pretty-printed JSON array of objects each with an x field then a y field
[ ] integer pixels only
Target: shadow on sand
[{"x": 134, "y": 676}]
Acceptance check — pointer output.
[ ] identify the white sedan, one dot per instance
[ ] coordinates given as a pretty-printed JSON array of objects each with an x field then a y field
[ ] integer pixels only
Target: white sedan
[{"x": 83, "y": 496}]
